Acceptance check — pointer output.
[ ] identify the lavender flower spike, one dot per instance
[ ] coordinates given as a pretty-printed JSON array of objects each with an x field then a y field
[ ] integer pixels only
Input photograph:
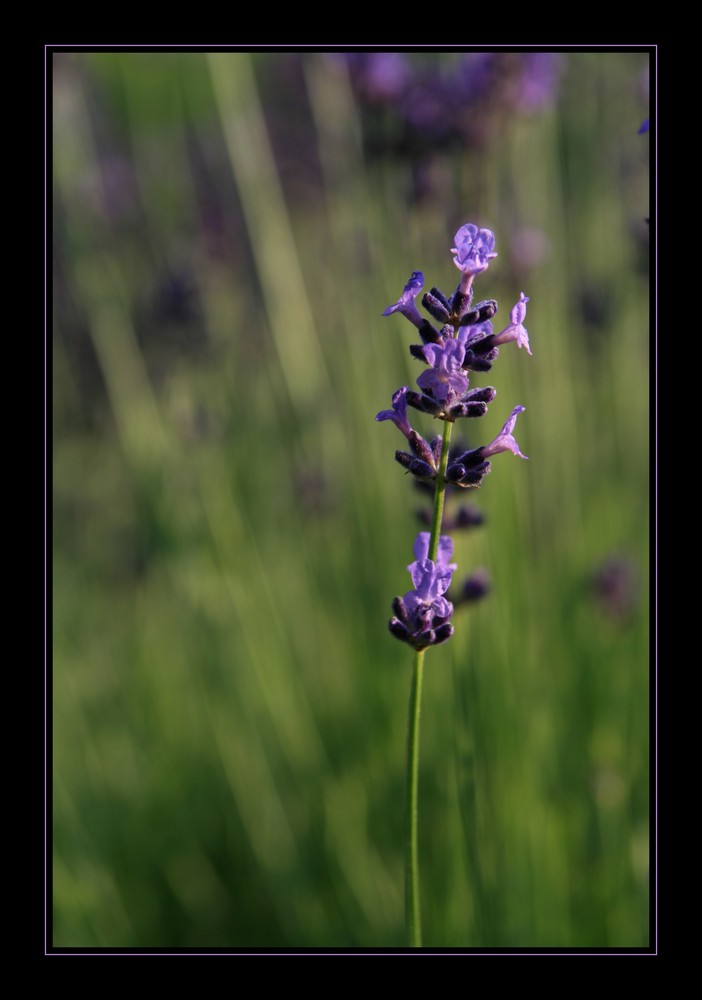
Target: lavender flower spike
[
  {"x": 474, "y": 249},
  {"x": 405, "y": 304},
  {"x": 504, "y": 440},
  {"x": 516, "y": 330}
]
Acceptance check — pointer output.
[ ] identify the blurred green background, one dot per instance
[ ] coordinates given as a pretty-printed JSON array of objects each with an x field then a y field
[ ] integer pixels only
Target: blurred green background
[{"x": 230, "y": 527}]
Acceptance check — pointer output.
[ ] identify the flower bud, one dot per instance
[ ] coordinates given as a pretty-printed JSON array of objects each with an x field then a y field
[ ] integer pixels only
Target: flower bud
[
  {"x": 479, "y": 363},
  {"x": 424, "y": 403},
  {"x": 438, "y": 294},
  {"x": 479, "y": 313},
  {"x": 398, "y": 606},
  {"x": 466, "y": 410},
  {"x": 486, "y": 394},
  {"x": 421, "y": 449},
  {"x": 422, "y": 470},
  {"x": 468, "y": 517},
  {"x": 398, "y": 630},
  {"x": 442, "y": 633},
  {"x": 427, "y": 332},
  {"x": 473, "y": 588},
  {"x": 434, "y": 306}
]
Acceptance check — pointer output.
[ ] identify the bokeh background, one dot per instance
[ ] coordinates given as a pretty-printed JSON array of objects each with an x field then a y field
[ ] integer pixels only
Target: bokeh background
[{"x": 230, "y": 527}]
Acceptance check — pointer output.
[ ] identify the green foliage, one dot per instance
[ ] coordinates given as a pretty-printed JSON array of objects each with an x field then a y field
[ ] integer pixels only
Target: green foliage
[{"x": 229, "y": 708}]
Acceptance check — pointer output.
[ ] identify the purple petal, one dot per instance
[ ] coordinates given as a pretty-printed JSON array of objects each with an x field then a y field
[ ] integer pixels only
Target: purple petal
[
  {"x": 405, "y": 304},
  {"x": 518, "y": 314},
  {"x": 505, "y": 440},
  {"x": 442, "y": 608},
  {"x": 432, "y": 354},
  {"x": 422, "y": 573},
  {"x": 444, "y": 553},
  {"x": 516, "y": 331},
  {"x": 398, "y": 413},
  {"x": 431, "y": 579},
  {"x": 421, "y": 546},
  {"x": 420, "y": 607},
  {"x": 474, "y": 249},
  {"x": 445, "y": 377}
]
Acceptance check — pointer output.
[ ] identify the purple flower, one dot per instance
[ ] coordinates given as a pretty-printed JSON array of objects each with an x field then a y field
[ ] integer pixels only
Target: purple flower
[
  {"x": 535, "y": 87},
  {"x": 504, "y": 440},
  {"x": 615, "y": 586},
  {"x": 474, "y": 249},
  {"x": 405, "y": 304},
  {"x": 644, "y": 126},
  {"x": 398, "y": 413},
  {"x": 431, "y": 579},
  {"x": 443, "y": 554},
  {"x": 474, "y": 588},
  {"x": 381, "y": 76},
  {"x": 445, "y": 379},
  {"x": 422, "y": 615},
  {"x": 516, "y": 330}
]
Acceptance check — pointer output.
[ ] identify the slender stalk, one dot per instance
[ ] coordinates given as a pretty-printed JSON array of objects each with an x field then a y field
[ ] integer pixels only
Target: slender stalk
[
  {"x": 440, "y": 492},
  {"x": 413, "y": 915}
]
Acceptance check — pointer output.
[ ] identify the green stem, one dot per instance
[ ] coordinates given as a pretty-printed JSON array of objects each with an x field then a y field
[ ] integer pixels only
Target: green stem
[
  {"x": 440, "y": 492},
  {"x": 413, "y": 916}
]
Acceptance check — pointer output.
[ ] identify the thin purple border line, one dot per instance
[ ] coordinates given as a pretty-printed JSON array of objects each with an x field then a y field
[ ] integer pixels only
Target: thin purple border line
[
  {"x": 321, "y": 47},
  {"x": 46, "y": 516},
  {"x": 655, "y": 479}
]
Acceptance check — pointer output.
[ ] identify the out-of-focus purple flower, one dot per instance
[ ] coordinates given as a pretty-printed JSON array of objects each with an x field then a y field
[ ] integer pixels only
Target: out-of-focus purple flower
[
  {"x": 380, "y": 76},
  {"x": 474, "y": 249},
  {"x": 398, "y": 413},
  {"x": 445, "y": 379},
  {"x": 516, "y": 330},
  {"x": 529, "y": 247},
  {"x": 505, "y": 440},
  {"x": 465, "y": 517},
  {"x": 422, "y": 615},
  {"x": 536, "y": 87},
  {"x": 644, "y": 126},
  {"x": 438, "y": 105},
  {"x": 615, "y": 585},
  {"x": 405, "y": 304},
  {"x": 474, "y": 588}
]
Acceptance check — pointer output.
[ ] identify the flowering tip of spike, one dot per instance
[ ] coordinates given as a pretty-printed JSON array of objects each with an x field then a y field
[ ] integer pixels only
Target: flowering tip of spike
[{"x": 462, "y": 342}]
